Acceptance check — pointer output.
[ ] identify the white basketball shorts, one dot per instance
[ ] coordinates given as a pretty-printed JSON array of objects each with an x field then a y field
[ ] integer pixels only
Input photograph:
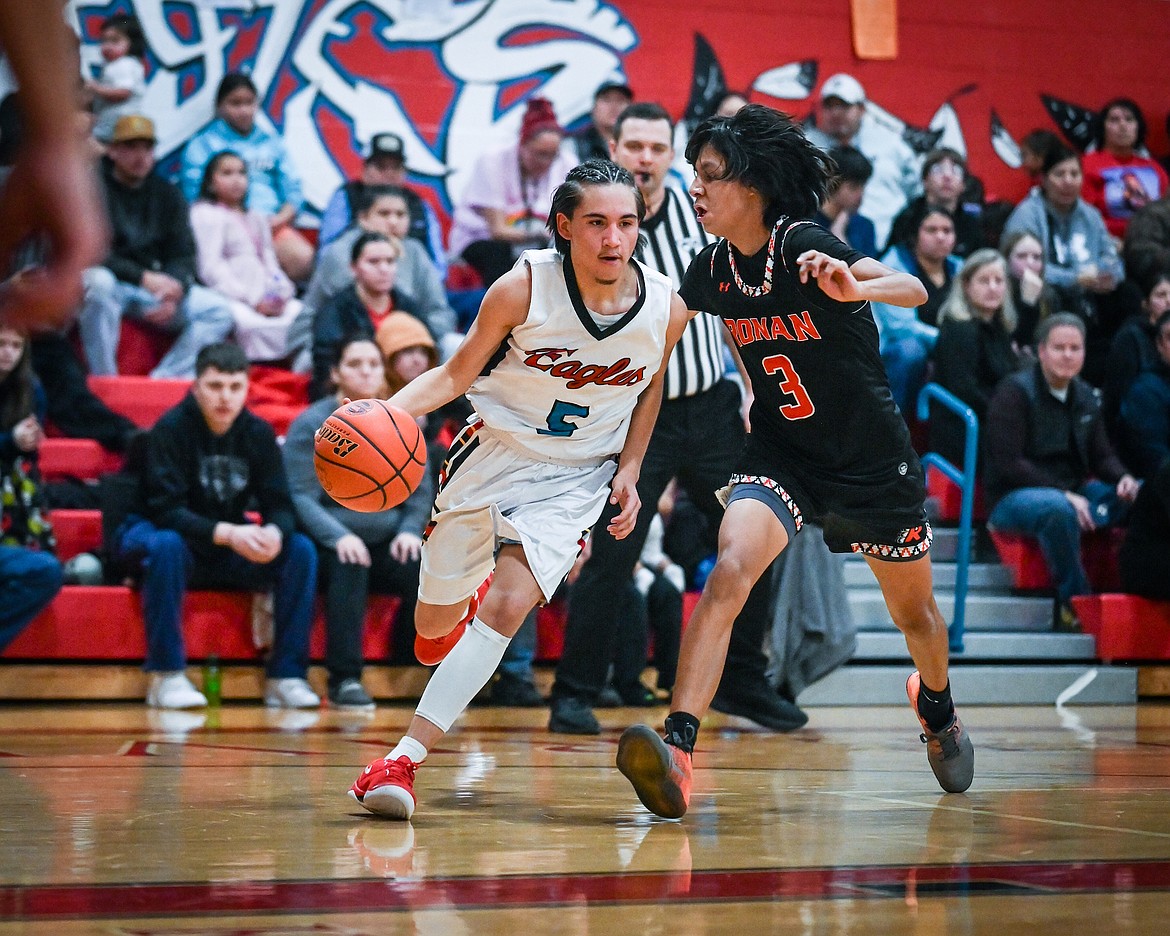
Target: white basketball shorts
[{"x": 492, "y": 494}]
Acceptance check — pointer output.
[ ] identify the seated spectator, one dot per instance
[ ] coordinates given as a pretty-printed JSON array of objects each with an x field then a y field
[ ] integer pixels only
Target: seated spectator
[
  {"x": 385, "y": 164},
  {"x": 73, "y": 409},
  {"x": 609, "y": 100},
  {"x": 975, "y": 350},
  {"x": 1120, "y": 177},
  {"x": 944, "y": 179},
  {"x": 908, "y": 335},
  {"x": 1034, "y": 148},
  {"x": 1144, "y": 561},
  {"x": 357, "y": 552},
  {"x": 236, "y": 258},
  {"x": 1144, "y": 427},
  {"x": 839, "y": 212},
  {"x": 504, "y": 207},
  {"x": 274, "y": 187},
  {"x": 1050, "y": 470},
  {"x": 149, "y": 274},
  {"x": 1133, "y": 349},
  {"x": 844, "y": 120},
  {"x": 360, "y": 308},
  {"x": 384, "y": 209},
  {"x": 1081, "y": 260},
  {"x": 119, "y": 89},
  {"x": 1033, "y": 298},
  {"x": 1147, "y": 241},
  {"x": 30, "y": 575},
  {"x": 208, "y": 460}
]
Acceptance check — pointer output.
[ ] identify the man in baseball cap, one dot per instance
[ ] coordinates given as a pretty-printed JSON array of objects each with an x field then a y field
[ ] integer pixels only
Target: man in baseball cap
[
  {"x": 385, "y": 164},
  {"x": 609, "y": 100},
  {"x": 843, "y": 120}
]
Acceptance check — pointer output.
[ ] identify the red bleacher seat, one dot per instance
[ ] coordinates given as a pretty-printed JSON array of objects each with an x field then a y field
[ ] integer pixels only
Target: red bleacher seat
[
  {"x": 140, "y": 399},
  {"x": 1126, "y": 627},
  {"x": 105, "y": 623},
  {"x": 77, "y": 531},
  {"x": 75, "y": 458},
  {"x": 949, "y": 497},
  {"x": 1022, "y": 555},
  {"x": 141, "y": 347}
]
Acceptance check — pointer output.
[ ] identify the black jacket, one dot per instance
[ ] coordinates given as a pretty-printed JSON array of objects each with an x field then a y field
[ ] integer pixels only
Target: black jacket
[
  {"x": 970, "y": 359},
  {"x": 194, "y": 479},
  {"x": 1034, "y": 440},
  {"x": 343, "y": 317},
  {"x": 151, "y": 230}
]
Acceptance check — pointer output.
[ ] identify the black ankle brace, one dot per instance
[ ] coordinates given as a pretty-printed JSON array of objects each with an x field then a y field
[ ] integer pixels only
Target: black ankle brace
[{"x": 682, "y": 729}]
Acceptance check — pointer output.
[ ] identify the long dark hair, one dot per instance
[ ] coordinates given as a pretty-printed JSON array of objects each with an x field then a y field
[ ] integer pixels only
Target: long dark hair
[
  {"x": 129, "y": 27},
  {"x": 767, "y": 151},
  {"x": 1125, "y": 104},
  {"x": 16, "y": 389},
  {"x": 205, "y": 191},
  {"x": 568, "y": 195}
]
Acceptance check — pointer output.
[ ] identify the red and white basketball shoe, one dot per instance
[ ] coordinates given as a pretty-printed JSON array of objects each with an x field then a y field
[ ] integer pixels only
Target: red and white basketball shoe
[{"x": 386, "y": 787}]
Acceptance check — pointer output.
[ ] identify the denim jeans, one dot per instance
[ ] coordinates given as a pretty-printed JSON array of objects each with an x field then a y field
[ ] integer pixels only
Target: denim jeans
[
  {"x": 905, "y": 362},
  {"x": 1046, "y": 514},
  {"x": 520, "y": 654},
  {"x": 169, "y": 567},
  {"x": 29, "y": 580},
  {"x": 203, "y": 317}
]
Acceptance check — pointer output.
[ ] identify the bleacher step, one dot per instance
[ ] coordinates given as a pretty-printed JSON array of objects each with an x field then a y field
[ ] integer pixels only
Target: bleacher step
[
  {"x": 981, "y": 576},
  {"x": 984, "y": 612},
  {"x": 891, "y": 645},
  {"x": 979, "y": 684}
]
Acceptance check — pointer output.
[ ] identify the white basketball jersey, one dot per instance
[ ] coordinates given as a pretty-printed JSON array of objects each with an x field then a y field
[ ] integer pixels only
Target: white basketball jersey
[{"x": 562, "y": 386}]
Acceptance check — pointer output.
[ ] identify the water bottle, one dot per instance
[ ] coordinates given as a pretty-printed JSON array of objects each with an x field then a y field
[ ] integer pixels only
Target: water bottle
[{"x": 212, "y": 681}]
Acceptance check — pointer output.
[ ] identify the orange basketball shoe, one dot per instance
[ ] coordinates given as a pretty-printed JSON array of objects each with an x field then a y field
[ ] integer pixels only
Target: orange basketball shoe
[
  {"x": 660, "y": 772},
  {"x": 386, "y": 787},
  {"x": 950, "y": 752},
  {"x": 431, "y": 652}
]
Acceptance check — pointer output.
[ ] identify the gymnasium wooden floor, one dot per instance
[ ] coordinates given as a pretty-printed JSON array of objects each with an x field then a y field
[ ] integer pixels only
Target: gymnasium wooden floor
[{"x": 116, "y": 820}]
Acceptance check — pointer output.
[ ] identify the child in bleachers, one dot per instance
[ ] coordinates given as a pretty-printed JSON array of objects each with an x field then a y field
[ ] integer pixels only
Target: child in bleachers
[
  {"x": 30, "y": 574},
  {"x": 122, "y": 83},
  {"x": 235, "y": 257}
]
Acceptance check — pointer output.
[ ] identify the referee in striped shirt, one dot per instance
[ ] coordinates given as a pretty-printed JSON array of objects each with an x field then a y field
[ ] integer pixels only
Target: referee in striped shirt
[{"x": 697, "y": 438}]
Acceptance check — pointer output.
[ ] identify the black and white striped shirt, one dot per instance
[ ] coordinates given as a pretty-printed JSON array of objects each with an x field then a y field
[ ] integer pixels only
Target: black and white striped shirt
[{"x": 673, "y": 238}]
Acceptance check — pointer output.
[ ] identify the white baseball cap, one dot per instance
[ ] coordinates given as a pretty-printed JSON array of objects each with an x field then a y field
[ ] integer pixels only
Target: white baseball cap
[{"x": 844, "y": 87}]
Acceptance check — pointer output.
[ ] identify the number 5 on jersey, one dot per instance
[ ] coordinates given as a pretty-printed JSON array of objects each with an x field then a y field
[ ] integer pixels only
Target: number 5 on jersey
[
  {"x": 558, "y": 416},
  {"x": 802, "y": 406}
]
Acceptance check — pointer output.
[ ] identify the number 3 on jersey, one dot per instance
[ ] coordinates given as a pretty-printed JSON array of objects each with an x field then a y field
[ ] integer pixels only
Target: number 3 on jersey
[
  {"x": 558, "y": 417},
  {"x": 802, "y": 406}
]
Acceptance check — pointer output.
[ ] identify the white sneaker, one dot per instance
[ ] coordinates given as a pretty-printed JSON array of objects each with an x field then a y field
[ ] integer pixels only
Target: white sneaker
[
  {"x": 173, "y": 690},
  {"x": 290, "y": 693}
]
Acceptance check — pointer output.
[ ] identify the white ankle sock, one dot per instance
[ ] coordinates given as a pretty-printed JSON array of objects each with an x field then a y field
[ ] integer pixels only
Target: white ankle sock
[
  {"x": 465, "y": 671},
  {"x": 411, "y": 748}
]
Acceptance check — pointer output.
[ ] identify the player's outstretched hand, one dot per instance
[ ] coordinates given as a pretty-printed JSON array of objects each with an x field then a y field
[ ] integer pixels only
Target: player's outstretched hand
[
  {"x": 625, "y": 495},
  {"x": 832, "y": 275}
]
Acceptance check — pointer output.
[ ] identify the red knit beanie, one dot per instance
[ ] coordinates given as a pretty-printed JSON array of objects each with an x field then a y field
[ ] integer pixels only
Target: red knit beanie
[{"x": 538, "y": 117}]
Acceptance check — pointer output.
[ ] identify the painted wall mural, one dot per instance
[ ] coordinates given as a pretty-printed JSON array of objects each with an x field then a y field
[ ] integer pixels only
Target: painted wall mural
[{"x": 451, "y": 76}]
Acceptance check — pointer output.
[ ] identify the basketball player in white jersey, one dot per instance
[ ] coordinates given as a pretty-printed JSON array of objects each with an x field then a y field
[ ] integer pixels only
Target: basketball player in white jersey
[{"x": 564, "y": 367}]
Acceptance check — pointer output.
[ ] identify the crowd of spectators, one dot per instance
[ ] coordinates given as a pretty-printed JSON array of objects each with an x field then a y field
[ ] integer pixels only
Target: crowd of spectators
[{"x": 220, "y": 262}]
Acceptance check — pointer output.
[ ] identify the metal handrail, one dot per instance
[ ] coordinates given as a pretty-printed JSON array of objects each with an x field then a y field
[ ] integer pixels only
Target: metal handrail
[{"x": 965, "y": 479}]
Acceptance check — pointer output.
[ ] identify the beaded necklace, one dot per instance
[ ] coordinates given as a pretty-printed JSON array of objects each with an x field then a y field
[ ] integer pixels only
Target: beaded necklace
[{"x": 754, "y": 292}]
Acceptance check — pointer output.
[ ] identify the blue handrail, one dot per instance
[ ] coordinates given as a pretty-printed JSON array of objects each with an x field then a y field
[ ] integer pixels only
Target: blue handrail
[{"x": 965, "y": 479}]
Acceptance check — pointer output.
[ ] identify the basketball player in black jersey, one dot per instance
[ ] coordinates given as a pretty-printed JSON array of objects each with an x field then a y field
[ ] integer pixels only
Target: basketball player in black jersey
[{"x": 827, "y": 442}]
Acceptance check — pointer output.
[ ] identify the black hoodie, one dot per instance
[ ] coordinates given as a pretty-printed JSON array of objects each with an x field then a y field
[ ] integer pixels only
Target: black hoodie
[{"x": 195, "y": 479}]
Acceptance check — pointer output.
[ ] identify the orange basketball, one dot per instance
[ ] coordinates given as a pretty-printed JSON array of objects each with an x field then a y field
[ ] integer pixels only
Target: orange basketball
[{"x": 369, "y": 455}]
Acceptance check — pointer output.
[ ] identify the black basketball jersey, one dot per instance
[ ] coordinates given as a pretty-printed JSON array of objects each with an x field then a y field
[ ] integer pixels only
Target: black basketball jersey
[{"x": 821, "y": 393}]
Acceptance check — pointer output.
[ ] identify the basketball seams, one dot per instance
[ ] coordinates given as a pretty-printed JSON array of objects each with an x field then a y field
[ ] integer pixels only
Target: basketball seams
[
  {"x": 389, "y": 448},
  {"x": 377, "y": 448}
]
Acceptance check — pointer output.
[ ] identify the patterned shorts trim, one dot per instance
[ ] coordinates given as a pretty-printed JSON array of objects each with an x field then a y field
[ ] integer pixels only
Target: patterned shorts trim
[
  {"x": 771, "y": 485},
  {"x": 913, "y": 543}
]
